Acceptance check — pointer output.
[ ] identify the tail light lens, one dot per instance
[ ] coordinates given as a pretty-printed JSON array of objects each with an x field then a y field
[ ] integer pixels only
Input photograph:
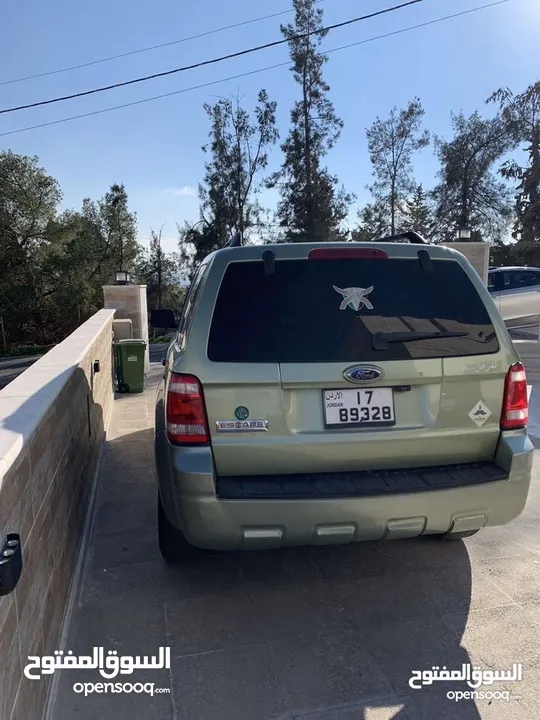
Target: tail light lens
[
  {"x": 515, "y": 410},
  {"x": 186, "y": 414}
]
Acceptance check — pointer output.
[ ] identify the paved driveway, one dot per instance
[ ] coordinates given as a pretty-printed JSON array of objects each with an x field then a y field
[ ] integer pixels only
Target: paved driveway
[
  {"x": 12, "y": 367},
  {"x": 320, "y": 634}
]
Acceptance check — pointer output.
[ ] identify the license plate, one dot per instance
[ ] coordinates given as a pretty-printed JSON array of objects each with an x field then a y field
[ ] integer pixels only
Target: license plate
[{"x": 359, "y": 407}]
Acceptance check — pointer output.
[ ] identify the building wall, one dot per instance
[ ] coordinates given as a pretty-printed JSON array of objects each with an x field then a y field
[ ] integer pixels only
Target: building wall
[
  {"x": 130, "y": 303},
  {"x": 477, "y": 253},
  {"x": 53, "y": 420}
]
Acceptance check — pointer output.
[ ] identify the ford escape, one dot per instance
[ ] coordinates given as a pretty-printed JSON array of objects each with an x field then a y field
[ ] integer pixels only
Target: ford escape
[{"x": 331, "y": 393}]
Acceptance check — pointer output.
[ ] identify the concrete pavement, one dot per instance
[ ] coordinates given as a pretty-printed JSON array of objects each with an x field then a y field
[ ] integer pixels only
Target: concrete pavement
[{"x": 316, "y": 634}]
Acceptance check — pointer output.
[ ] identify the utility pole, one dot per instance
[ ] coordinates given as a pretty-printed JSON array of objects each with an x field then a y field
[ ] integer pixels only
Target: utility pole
[
  {"x": 2, "y": 328},
  {"x": 159, "y": 270}
]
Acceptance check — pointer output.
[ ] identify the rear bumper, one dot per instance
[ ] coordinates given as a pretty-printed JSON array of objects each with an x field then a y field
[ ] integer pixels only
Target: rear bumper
[{"x": 188, "y": 491}]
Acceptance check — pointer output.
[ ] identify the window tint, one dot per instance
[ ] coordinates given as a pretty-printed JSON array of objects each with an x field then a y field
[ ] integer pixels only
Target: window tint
[
  {"x": 509, "y": 280},
  {"x": 191, "y": 299},
  {"x": 495, "y": 281},
  {"x": 515, "y": 279},
  {"x": 525, "y": 278},
  {"x": 298, "y": 314}
]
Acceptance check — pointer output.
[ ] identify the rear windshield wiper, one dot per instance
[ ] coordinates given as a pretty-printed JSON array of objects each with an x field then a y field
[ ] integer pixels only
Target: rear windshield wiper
[{"x": 381, "y": 340}]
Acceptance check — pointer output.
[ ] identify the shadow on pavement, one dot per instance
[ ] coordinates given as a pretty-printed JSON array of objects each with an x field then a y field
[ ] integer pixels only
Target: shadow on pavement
[{"x": 315, "y": 633}]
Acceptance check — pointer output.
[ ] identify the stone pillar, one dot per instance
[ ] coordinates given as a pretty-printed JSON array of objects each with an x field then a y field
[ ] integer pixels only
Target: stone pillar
[
  {"x": 477, "y": 253},
  {"x": 129, "y": 301}
]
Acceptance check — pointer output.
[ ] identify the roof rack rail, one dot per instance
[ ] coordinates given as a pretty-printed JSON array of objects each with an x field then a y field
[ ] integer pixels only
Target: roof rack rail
[{"x": 411, "y": 235}]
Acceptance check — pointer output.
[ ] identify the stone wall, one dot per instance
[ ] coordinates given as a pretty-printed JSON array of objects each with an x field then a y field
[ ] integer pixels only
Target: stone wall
[
  {"x": 130, "y": 303},
  {"x": 477, "y": 253},
  {"x": 53, "y": 420}
]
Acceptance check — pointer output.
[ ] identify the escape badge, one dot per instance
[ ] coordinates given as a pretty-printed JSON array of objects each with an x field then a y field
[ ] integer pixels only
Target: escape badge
[
  {"x": 234, "y": 426},
  {"x": 242, "y": 422}
]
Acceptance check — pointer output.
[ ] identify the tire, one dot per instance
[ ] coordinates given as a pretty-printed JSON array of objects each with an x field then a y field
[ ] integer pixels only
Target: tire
[
  {"x": 455, "y": 535},
  {"x": 173, "y": 546}
]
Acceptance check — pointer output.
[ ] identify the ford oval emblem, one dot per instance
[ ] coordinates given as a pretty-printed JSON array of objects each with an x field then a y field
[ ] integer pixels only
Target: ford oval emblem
[{"x": 363, "y": 374}]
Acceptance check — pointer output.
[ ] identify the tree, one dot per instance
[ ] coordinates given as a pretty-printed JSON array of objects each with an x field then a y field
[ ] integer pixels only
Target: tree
[
  {"x": 238, "y": 149},
  {"x": 374, "y": 223},
  {"x": 521, "y": 116},
  {"x": 419, "y": 214},
  {"x": 468, "y": 194},
  {"x": 101, "y": 237},
  {"x": 53, "y": 266},
  {"x": 85, "y": 250},
  {"x": 239, "y": 153},
  {"x": 160, "y": 272},
  {"x": 195, "y": 243},
  {"x": 117, "y": 226},
  {"x": 28, "y": 204},
  {"x": 312, "y": 206},
  {"x": 28, "y": 200},
  {"x": 391, "y": 144}
]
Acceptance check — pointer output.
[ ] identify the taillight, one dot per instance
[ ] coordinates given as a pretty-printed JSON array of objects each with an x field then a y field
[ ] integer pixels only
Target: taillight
[
  {"x": 515, "y": 409},
  {"x": 346, "y": 253},
  {"x": 186, "y": 414}
]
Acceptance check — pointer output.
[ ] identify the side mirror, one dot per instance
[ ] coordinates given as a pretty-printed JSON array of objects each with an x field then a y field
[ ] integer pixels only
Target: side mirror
[{"x": 163, "y": 319}]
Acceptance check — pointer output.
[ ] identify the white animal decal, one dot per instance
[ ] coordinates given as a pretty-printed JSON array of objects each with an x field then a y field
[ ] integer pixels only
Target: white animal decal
[{"x": 355, "y": 297}]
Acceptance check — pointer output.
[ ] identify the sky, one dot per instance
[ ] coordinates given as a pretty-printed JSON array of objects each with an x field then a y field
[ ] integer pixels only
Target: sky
[{"x": 154, "y": 148}]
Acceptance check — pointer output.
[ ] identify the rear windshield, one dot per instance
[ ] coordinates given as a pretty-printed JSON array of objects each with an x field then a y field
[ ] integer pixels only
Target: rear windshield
[{"x": 329, "y": 310}]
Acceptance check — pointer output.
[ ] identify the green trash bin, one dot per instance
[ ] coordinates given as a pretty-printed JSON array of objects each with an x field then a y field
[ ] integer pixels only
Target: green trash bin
[{"x": 129, "y": 359}]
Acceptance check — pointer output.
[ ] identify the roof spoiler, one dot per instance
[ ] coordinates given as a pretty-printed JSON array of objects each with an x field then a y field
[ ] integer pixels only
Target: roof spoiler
[{"x": 411, "y": 235}]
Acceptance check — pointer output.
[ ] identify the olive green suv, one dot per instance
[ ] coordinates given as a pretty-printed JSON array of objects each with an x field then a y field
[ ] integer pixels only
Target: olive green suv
[{"x": 336, "y": 392}]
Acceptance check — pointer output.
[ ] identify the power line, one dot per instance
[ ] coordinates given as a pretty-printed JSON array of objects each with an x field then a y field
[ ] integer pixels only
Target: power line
[
  {"x": 252, "y": 72},
  {"x": 148, "y": 49},
  {"x": 213, "y": 61}
]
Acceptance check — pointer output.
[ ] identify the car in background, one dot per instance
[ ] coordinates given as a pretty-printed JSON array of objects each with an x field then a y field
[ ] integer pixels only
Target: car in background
[
  {"x": 326, "y": 393},
  {"x": 516, "y": 292}
]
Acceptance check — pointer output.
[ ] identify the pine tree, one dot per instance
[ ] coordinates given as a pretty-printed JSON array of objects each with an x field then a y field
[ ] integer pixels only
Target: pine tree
[
  {"x": 373, "y": 225},
  {"x": 238, "y": 155},
  {"x": 468, "y": 194},
  {"x": 312, "y": 205},
  {"x": 160, "y": 272},
  {"x": 521, "y": 115},
  {"x": 419, "y": 213},
  {"x": 392, "y": 143},
  {"x": 238, "y": 149}
]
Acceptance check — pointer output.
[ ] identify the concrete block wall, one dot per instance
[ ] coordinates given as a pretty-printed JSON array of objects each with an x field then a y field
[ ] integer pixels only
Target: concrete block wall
[
  {"x": 477, "y": 253},
  {"x": 130, "y": 303},
  {"x": 53, "y": 420}
]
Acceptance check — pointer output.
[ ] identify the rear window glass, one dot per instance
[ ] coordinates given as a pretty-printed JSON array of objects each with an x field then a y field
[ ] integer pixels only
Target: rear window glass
[{"x": 314, "y": 311}]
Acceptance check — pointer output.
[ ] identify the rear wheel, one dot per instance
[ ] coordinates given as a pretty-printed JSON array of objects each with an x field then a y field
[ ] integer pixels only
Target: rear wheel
[
  {"x": 173, "y": 546},
  {"x": 455, "y": 535}
]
